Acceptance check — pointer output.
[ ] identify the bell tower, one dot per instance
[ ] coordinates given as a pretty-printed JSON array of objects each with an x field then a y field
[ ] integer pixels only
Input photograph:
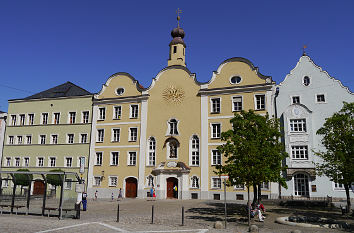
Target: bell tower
[{"x": 177, "y": 46}]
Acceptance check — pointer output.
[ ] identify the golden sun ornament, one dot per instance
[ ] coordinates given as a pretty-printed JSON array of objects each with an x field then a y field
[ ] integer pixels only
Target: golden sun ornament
[{"x": 173, "y": 95}]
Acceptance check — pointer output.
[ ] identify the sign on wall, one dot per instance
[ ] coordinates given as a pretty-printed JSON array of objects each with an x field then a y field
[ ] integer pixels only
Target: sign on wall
[{"x": 82, "y": 165}]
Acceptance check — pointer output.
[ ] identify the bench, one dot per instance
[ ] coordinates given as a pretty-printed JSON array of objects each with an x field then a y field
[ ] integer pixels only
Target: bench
[
  {"x": 9, "y": 206},
  {"x": 49, "y": 209},
  {"x": 53, "y": 209}
]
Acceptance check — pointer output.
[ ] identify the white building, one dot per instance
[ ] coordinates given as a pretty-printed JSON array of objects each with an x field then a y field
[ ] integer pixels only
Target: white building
[{"x": 307, "y": 96}]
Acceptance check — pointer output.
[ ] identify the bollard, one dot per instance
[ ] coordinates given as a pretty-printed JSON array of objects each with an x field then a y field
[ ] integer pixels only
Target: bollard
[
  {"x": 152, "y": 214},
  {"x": 77, "y": 208},
  {"x": 182, "y": 215},
  {"x": 118, "y": 214}
]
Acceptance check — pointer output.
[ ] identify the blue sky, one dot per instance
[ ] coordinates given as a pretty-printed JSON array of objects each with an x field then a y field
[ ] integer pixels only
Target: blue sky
[{"x": 46, "y": 43}]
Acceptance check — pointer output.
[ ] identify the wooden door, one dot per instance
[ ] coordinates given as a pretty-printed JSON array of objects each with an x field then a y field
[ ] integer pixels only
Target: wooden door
[
  {"x": 131, "y": 187},
  {"x": 171, "y": 182},
  {"x": 38, "y": 187}
]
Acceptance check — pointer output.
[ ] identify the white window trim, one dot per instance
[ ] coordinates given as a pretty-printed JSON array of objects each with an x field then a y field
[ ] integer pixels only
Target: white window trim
[
  {"x": 235, "y": 75},
  {"x": 191, "y": 182},
  {"x": 28, "y": 118},
  {"x": 255, "y": 102},
  {"x": 75, "y": 117},
  {"x": 191, "y": 150},
  {"x": 303, "y": 83},
  {"x": 19, "y": 118},
  {"x": 31, "y": 139},
  {"x": 298, "y": 132},
  {"x": 308, "y": 152},
  {"x": 109, "y": 181},
  {"x": 211, "y": 183},
  {"x": 51, "y": 139},
  {"x": 325, "y": 96},
  {"x": 53, "y": 117},
  {"x": 41, "y": 120},
  {"x": 211, "y": 130},
  {"x": 10, "y": 121},
  {"x": 94, "y": 181},
  {"x": 37, "y": 161},
  {"x": 232, "y": 103},
  {"x": 87, "y": 138},
  {"x": 97, "y": 135},
  {"x": 113, "y": 112},
  {"x": 111, "y": 158},
  {"x": 82, "y": 117},
  {"x": 65, "y": 184},
  {"x": 5, "y": 161},
  {"x": 72, "y": 161},
  {"x": 131, "y": 111},
  {"x": 23, "y": 161},
  {"x": 211, "y": 104},
  {"x": 211, "y": 157},
  {"x": 128, "y": 158},
  {"x": 39, "y": 139},
  {"x": 169, "y": 128},
  {"x": 14, "y": 162},
  {"x": 49, "y": 159},
  {"x": 95, "y": 159},
  {"x": 291, "y": 98},
  {"x": 18, "y": 141},
  {"x": 129, "y": 136},
  {"x": 112, "y": 134},
  {"x": 13, "y": 139},
  {"x": 148, "y": 152},
  {"x": 98, "y": 114},
  {"x": 67, "y": 138},
  {"x": 309, "y": 179}
]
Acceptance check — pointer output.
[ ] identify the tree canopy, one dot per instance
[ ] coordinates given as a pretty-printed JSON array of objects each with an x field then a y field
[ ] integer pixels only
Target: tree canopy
[
  {"x": 253, "y": 151},
  {"x": 338, "y": 139},
  {"x": 55, "y": 180},
  {"x": 23, "y": 179}
]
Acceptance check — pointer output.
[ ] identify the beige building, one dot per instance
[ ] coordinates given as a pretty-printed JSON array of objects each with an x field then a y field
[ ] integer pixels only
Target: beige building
[{"x": 166, "y": 135}]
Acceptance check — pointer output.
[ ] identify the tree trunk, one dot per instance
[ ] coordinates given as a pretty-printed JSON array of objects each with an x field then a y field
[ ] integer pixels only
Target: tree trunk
[
  {"x": 255, "y": 196},
  {"x": 346, "y": 186},
  {"x": 259, "y": 194},
  {"x": 248, "y": 206}
]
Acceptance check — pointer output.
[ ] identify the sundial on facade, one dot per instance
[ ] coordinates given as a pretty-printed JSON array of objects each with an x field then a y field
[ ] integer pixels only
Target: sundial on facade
[{"x": 173, "y": 95}]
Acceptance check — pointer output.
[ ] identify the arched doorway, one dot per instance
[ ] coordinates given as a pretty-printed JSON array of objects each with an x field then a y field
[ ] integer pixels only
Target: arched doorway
[
  {"x": 38, "y": 187},
  {"x": 301, "y": 183},
  {"x": 172, "y": 187},
  {"x": 131, "y": 185}
]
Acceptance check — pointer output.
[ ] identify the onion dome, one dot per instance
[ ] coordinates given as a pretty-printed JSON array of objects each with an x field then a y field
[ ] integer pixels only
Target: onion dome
[{"x": 178, "y": 35}]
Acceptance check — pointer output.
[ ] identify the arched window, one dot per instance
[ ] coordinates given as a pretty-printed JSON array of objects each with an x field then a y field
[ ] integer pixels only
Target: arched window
[
  {"x": 306, "y": 81},
  {"x": 150, "y": 181},
  {"x": 194, "y": 150},
  {"x": 301, "y": 183},
  {"x": 152, "y": 152},
  {"x": 195, "y": 182},
  {"x": 173, "y": 127}
]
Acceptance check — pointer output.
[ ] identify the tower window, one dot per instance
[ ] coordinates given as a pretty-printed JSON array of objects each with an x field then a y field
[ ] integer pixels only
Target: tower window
[
  {"x": 173, "y": 127},
  {"x": 306, "y": 81},
  {"x": 174, "y": 49}
]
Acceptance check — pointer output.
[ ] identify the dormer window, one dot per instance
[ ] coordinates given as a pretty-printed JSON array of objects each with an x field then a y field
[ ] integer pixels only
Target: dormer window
[
  {"x": 173, "y": 127},
  {"x": 306, "y": 81}
]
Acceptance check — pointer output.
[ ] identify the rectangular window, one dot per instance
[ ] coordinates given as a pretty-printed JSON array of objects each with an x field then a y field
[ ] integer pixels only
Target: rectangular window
[
  {"x": 44, "y": 118},
  {"x": 56, "y": 119},
  {"x": 338, "y": 186},
  {"x": 236, "y": 103},
  {"x": 97, "y": 181},
  {"x": 11, "y": 140},
  {"x": 299, "y": 152},
  {"x": 113, "y": 181},
  {"x": 70, "y": 138},
  {"x": 52, "y": 161},
  {"x": 133, "y": 134},
  {"x": 265, "y": 185},
  {"x": 195, "y": 151},
  {"x": 85, "y": 117},
  {"x": 19, "y": 139},
  {"x": 260, "y": 102},
  {"x": 83, "y": 138},
  {"x": 8, "y": 162},
  {"x": 100, "y": 135},
  {"x": 320, "y": 98},
  {"x": 68, "y": 184},
  {"x": 215, "y": 105},
  {"x": 216, "y": 130},
  {"x": 42, "y": 139},
  {"x": 216, "y": 183},
  {"x": 26, "y": 162},
  {"x": 54, "y": 139},
  {"x": 40, "y": 161},
  {"x": 295, "y": 99},
  {"x": 115, "y": 135},
  {"x": 13, "y": 120},
  {"x": 68, "y": 162},
  {"x": 101, "y": 114},
  {"x": 22, "y": 119},
  {"x": 72, "y": 117},
  {"x": 216, "y": 157},
  {"x": 114, "y": 158},
  {"x": 17, "y": 162},
  {"x": 29, "y": 139},
  {"x": 117, "y": 112},
  {"x": 132, "y": 158},
  {"x": 134, "y": 111},
  {"x": 98, "y": 160},
  {"x": 297, "y": 125},
  {"x": 175, "y": 49},
  {"x": 30, "y": 119}
]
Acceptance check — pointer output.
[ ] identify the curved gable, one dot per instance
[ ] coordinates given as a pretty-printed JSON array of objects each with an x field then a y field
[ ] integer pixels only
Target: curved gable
[
  {"x": 241, "y": 67},
  {"x": 122, "y": 80}
]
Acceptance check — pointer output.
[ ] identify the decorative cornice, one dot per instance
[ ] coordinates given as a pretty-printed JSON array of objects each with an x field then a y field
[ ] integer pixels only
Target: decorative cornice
[
  {"x": 236, "y": 89},
  {"x": 128, "y": 99}
]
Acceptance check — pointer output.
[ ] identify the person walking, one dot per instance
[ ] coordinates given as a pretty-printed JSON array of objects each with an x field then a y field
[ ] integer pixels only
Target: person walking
[
  {"x": 84, "y": 201},
  {"x": 120, "y": 194},
  {"x": 112, "y": 196},
  {"x": 96, "y": 194},
  {"x": 175, "y": 191},
  {"x": 153, "y": 194}
]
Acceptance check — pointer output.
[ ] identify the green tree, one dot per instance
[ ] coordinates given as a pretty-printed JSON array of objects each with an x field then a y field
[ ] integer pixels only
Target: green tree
[
  {"x": 338, "y": 139},
  {"x": 253, "y": 151},
  {"x": 55, "y": 180},
  {"x": 23, "y": 179}
]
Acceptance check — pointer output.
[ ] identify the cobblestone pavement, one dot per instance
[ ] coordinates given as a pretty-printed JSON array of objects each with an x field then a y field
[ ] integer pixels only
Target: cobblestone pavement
[{"x": 135, "y": 216}]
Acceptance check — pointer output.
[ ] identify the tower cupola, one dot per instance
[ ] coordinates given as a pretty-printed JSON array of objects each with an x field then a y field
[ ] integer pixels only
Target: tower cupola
[{"x": 177, "y": 46}]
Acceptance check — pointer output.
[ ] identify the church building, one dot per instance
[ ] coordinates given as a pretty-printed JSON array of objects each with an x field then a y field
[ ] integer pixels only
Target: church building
[{"x": 166, "y": 135}]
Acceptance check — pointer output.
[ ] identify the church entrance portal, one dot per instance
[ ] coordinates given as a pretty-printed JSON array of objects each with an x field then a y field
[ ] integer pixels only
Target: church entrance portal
[
  {"x": 131, "y": 187},
  {"x": 172, "y": 192}
]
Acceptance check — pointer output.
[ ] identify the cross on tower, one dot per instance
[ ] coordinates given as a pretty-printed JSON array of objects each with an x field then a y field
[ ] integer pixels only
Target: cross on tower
[{"x": 178, "y": 11}]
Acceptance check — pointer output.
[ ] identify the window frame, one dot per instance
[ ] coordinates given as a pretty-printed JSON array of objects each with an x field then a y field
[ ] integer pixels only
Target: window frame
[
  {"x": 132, "y": 161},
  {"x": 298, "y": 149},
  {"x": 134, "y": 111},
  {"x": 42, "y": 136},
  {"x": 133, "y": 138},
  {"x": 98, "y": 162},
  {"x": 258, "y": 106},
  {"x": 83, "y": 117},
  {"x": 113, "y": 135},
  {"x": 38, "y": 160},
  {"x": 217, "y": 133},
  {"x": 101, "y": 117},
  {"x": 112, "y": 161},
  {"x": 70, "y": 138},
  {"x": 44, "y": 120},
  {"x": 233, "y": 100},
  {"x": 98, "y": 138},
  {"x": 194, "y": 158},
  {"x": 324, "y": 98},
  {"x": 151, "y": 155},
  {"x": 217, "y": 160},
  {"x": 117, "y": 112},
  {"x": 298, "y": 125},
  {"x": 83, "y": 136},
  {"x": 56, "y": 121},
  {"x": 66, "y": 161},
  {"x": 192, "y": 183},
  {"x": 215, "y": 109},
  {"x": 50, "y": 161},
  {"x": 212, "y": 184},
  {"x": 110, "y": 178}
]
